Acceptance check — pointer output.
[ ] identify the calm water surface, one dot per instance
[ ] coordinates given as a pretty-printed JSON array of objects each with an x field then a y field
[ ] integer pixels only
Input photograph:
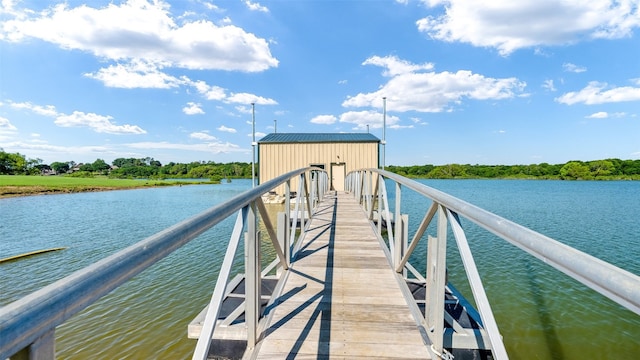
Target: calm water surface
[{"x": 541, "y": 313}]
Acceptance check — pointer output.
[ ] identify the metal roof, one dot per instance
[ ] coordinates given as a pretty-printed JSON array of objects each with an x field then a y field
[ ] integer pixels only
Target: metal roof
[{"x": 318, "y": 137}]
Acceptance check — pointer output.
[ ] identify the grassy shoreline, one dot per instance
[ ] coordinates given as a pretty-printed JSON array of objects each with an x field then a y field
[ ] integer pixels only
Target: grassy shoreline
[{"x": 23, "y": 185}]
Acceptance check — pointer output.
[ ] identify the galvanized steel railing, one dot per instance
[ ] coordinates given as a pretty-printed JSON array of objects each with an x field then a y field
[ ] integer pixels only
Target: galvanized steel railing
[
  {"x": 27, "y": 326},
  {"x": 368, "y": 185}
]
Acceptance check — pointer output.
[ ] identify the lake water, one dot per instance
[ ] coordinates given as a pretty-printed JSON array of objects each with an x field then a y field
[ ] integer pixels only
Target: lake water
[{"x": 541, "y": 313}]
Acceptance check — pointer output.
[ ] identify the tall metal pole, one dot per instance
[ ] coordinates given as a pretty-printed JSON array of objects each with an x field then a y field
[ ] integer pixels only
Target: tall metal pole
[
  {"x": 384, "y": 129},
  {"x": 275, "y": 126},
  {"x": 253, "y": 145}
]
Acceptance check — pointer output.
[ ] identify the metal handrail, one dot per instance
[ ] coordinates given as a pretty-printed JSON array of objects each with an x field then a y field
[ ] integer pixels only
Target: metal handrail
[
  {"x": 615, "y": 283},
  {"x": 30, "y": 322}
]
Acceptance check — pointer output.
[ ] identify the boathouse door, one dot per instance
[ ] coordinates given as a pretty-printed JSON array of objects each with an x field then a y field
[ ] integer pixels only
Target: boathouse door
[{"x": 337, "y": 176}]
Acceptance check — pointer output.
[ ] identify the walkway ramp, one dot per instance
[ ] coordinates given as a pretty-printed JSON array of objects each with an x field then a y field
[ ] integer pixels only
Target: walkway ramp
[{"x": 341, "y": 299}]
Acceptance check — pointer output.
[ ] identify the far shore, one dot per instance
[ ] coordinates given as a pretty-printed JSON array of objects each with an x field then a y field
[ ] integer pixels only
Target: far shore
[
  {"x": 16, "y": 185},
  {"x": 16, "y": 191}
]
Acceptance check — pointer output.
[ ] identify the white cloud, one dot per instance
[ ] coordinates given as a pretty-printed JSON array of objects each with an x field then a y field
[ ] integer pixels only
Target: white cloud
[
  {"x": 8, "y": 7},
  {"x": 202, "y": 136},
  {"x": 193, "y": 109},
  {"x": 605, "y": 115},
  {"x": 244, "y": 110},
  {"x": 227, "y": 129},
  {"x": 418, "y": 121},
  {"x": 324, "y": 119},
  {"x": 395, "y": 66},
  {"x": 398, "y": 127},
  {"x": 569, "y": 67},
  {"x": 431, "y": 91},
  {"x": 208, "y": 91},
  {"x": 548, "y": 85},
  {"x": 509, "y": 25},
  {"x": 596, "y": 93},
  {"x": 246, "y": 98},
  {"x": 373, "y": 119},
  {"x": 99, "y": 123},
  {"x": 259, "y": 134},
  {"x": 211, "y": 6},
  {"x": 217, "y": 93},
  {"x": 598, "y": 115},
  {"x": 254, "y": 6},
  {"x": 6, "y": 126},
  {"x": 47, "y": 110},
  {"x": 139, "y": 29},
  {"x": 135, "y": 74}
]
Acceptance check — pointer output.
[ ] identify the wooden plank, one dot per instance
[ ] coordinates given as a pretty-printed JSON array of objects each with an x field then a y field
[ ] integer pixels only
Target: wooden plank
[{"x": 341, "y": 299}]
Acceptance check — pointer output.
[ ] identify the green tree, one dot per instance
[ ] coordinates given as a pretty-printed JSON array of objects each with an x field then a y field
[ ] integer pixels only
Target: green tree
[
  {"x": 575, "y": 170},
  {"x": 35, "y": 167},
  {"x": 60, "y": 167},
  {"x": 601, "y": 168},
  {"x": 630, "y": 167},
  {"x": 86, "y": 168},
  {"x": 12, "y": 163},
  {"x": 100, "y": 166},
  {"x": 450, "y": 171}
]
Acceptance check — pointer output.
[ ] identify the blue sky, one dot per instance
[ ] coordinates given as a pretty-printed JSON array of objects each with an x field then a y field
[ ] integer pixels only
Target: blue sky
[{"x": 514, "y": 82}]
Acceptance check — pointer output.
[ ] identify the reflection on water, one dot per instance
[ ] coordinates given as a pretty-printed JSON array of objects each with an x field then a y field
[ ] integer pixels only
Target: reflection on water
[{"x": 541, "y": 314}]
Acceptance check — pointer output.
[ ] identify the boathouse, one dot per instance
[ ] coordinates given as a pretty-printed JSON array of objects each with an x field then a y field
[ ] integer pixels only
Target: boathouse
[{"x": 337, "y": 153}]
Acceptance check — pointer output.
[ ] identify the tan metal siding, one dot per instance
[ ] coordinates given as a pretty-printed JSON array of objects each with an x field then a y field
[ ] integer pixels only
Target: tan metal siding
[{"x": 279, "y": 158}]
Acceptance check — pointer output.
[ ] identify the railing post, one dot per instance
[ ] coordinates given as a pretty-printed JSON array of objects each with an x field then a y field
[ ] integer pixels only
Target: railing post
[
  {"x": 43, "y": 348},
  {"x": 436, "y": 281},
  {"x": 287, "y": 222},
  {"x": 369, "y": 191},
  {"x": 305, "y": 200},
  {"x": 380, "y": 191},
  {"x": 281, "y": 230},
  {"x": 352, "y": 185},
  {"x": 314, "y": 188},
  {"x": 359, "y": 191},
  {"x": 365, "y": 190},
  {"x": 252, "y": 277},
  {"x": 404, "y": 219},
  {"x": 348, "y": 183},
  {"x": 479, "y": 295},
  {"x": 397, "y": 252}
]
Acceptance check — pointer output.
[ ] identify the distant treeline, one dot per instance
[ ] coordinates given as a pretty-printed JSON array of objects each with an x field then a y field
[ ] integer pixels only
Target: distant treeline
[
  {"x": 608, "y": 169},
  {"x": 149, "y": 168},
  {"x": 123, "y": 168}
]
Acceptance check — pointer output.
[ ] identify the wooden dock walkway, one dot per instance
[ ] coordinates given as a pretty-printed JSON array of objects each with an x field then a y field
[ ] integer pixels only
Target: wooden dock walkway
[{"x": 341, "y": 299}]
